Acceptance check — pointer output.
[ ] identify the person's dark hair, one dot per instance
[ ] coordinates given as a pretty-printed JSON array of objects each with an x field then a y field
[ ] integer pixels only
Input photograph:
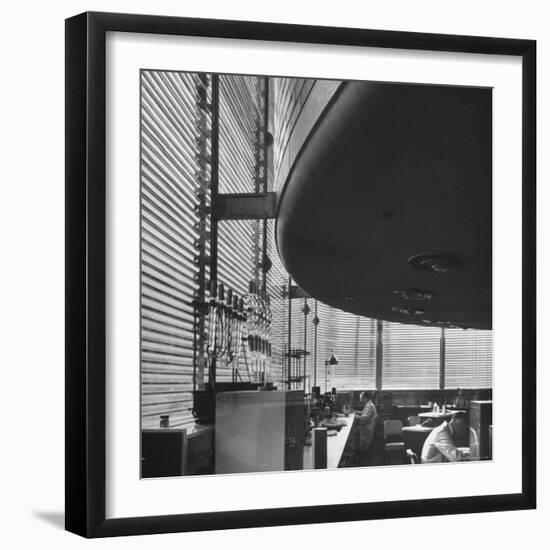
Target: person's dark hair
[
  {"x": 460, "y": 417},
  {"x": 367, "y": 394}
]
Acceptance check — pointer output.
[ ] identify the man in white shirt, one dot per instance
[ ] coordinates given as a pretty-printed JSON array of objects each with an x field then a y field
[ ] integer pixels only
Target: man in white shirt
[
  {"x": 366, "y": 419},
  {"x": 440, "y": 444}
]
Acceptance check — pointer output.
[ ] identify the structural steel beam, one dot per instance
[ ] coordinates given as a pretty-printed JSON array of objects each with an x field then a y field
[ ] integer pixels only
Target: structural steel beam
[{"x": 244, "y": 206}]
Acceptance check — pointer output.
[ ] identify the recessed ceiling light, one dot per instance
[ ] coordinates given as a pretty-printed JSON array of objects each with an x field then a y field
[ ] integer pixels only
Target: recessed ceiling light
[
  {"x": 417, "y": 294},
  {"x": 407, "y": 310},
  {"x": 439, "y": 263}
]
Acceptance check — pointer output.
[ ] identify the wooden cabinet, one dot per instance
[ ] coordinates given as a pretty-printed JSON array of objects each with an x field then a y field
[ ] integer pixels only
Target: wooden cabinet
[
  {"x": 167, "y": 452},
  {"x": 259, "y": 431},
  {"x": 163, "y": 452}
]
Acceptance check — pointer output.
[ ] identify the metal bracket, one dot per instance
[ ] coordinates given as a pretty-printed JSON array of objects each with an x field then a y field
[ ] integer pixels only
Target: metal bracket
[{"x": 244, "y": 206}]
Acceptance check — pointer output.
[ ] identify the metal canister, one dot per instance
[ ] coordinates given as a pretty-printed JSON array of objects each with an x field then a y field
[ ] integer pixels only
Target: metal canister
[{"x": 164, "y": 420}]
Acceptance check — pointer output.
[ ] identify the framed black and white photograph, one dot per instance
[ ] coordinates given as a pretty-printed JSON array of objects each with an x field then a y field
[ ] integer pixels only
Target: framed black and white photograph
[{"x": 300, "y": 274}]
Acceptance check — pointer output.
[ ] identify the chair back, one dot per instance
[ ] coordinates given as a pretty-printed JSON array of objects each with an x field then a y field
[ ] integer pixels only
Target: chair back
[
  {"x": 393, "y": 430},
  {"x": 413, "y": 420}
]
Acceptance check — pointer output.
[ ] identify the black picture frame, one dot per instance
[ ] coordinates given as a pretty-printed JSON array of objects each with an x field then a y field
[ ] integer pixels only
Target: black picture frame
[{"x": 86, "y": 262}]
